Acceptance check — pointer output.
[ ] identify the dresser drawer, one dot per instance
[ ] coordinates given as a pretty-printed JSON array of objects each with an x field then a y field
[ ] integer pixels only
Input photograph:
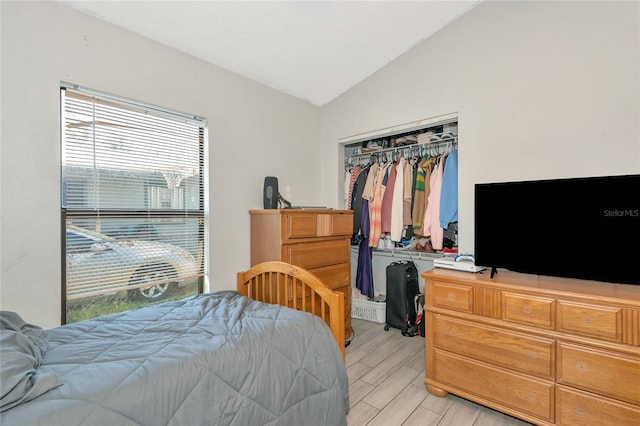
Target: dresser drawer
[
  {"x": 526, "y": 394},
  {"x": 298, "y": 226},
  {"x": 451, "y": 296},
  {"x": 530, "y": 355},
  {"x": 590, "y": 320},
  {"x": 335, "y": 275},
  {"x": 609, "y": 374},
  {"x": 337, "y": 225},
  {"x": 316, "y": 254},
  {"x": 528, "y": 310},
  {"x": 576, "y": 408}
]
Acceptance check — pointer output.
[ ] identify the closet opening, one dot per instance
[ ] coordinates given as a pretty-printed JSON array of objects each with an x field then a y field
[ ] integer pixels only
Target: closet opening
[{"x": 402, "y": 185}]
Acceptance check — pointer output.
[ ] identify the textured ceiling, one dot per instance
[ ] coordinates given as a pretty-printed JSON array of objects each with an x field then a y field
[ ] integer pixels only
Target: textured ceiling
[{"x": 313, "y": 50}]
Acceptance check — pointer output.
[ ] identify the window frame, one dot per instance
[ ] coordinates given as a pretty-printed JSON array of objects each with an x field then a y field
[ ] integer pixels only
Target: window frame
[{"x": 148, "y": 212}]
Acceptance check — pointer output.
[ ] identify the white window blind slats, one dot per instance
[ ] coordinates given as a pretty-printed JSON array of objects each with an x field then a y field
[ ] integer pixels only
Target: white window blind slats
[
  {"x": 103, "y": 255},
  {"x": 132, "y": 196},
  {"x": 126, "y": 155}
]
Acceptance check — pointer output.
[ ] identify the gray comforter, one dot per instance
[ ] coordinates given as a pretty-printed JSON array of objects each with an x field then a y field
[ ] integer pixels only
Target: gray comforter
[{"x": 216, "y": 359}]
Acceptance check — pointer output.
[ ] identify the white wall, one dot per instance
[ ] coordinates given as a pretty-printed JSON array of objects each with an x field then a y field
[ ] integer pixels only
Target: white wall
[
  {"x": 542, "y": 90},
  {"x": 254, "y": 131}
]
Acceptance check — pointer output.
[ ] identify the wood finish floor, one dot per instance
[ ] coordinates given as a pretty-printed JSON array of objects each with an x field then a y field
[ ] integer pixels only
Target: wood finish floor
[{"x": 386, "y": 385}]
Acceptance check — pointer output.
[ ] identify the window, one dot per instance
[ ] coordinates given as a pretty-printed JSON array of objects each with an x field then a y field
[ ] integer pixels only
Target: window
[{"x": 133, "y": 193}]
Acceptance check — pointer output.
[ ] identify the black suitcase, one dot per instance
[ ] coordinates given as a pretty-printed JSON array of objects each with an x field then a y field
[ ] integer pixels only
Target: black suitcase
[{"x": 402, "y": 288}]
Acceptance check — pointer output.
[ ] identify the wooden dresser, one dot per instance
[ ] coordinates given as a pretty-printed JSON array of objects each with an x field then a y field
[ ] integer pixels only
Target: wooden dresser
[
  {"x": 317, "y": 240},
  {"x": 547, "y": 350}
]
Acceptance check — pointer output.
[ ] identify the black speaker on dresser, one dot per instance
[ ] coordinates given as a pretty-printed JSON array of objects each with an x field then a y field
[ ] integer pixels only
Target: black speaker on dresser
[{"x": 270, "y": 192}]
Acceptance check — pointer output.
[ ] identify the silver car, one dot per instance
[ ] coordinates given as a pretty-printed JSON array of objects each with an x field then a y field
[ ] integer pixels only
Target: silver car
[{"x": 98, "y": 264}]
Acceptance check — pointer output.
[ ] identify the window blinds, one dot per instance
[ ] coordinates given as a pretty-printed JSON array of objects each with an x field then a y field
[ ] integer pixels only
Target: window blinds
[{"x": 132, "y": 196}]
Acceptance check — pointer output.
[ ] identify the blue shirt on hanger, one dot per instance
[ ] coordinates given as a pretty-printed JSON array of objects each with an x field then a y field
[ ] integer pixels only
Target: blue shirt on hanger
[{"x": 449, "y": 194}]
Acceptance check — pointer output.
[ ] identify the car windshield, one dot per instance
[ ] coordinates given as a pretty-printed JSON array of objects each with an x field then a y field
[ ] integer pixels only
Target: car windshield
[
  {"x": 85, "y": 233},
  {"x": 80, "y": 240}
]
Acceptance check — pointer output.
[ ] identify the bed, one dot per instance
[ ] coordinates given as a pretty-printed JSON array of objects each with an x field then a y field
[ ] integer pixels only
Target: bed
[{"x": 219, "y": 358}]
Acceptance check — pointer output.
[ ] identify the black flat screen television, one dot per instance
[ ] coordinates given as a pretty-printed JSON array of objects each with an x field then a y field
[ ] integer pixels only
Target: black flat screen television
[{"x": 586, "y": 228}]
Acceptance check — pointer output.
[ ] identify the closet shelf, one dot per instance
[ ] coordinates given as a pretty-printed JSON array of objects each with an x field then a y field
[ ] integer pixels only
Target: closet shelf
[{"x": 401, "y": 253}]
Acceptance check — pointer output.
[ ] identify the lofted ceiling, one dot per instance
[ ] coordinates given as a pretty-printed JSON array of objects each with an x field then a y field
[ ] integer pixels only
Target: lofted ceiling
[{"x": 313, "y": 50}]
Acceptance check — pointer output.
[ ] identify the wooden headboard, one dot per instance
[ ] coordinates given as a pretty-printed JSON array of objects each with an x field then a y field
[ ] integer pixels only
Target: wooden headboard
[{"x": 294, "y": 287}]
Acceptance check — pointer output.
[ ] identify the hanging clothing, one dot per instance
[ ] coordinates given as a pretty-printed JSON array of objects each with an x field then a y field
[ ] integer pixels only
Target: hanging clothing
[
  {"x": 364, "y": 273},
  {"x": 408, "y": 193},
  {"x": 353, "y": 176},
  {"x": 376, "y": 208},
  {"x": 414, "y": 163},
  {"x": 428, "y": 214},
  {"x": 358, "y": 183},
  {"x": 428, "y": 182},
  {"x": 387, "y": 199},
  {"x": 449, "y": 197},
  {"x": 419, "y": 198},
  {"x": 432, "y": 215},
  {"x": 358, "y": 200},
  {"x": 397, "y": 203},
  {"x": 369, "y": 186}
]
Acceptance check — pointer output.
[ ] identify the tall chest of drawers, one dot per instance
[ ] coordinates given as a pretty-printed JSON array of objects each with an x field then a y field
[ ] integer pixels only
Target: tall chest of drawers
[
  {"x": 547, "y": 350},
  {"x": 318, "y": 240}
]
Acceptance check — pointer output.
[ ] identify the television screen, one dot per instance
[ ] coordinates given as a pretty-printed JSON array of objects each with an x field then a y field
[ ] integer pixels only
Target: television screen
[{"x": 587, "y": 228}]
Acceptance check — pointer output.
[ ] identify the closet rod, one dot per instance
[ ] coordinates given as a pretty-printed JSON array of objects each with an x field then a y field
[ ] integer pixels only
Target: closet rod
[{"x": 452, "y": 141}]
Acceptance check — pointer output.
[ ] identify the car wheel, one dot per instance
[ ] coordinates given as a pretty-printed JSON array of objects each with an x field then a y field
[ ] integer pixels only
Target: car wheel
[{"x": 153, "y": 291}]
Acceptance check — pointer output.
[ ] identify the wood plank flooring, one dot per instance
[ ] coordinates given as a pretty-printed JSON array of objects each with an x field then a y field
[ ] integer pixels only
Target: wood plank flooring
[{"x": 386, "y": 385}]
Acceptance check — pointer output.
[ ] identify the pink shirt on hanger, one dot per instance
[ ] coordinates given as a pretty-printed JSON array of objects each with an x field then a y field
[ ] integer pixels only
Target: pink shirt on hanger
[{"x": 432, "y": 215}]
